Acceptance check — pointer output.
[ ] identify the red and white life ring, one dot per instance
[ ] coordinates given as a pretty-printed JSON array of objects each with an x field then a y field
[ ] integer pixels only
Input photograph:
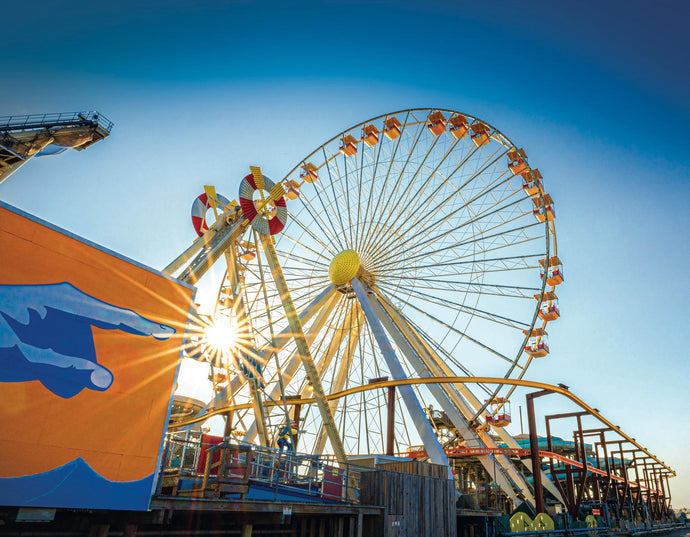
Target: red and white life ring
[
  {"x": 199, "y": 208},
  {"x": 270, "y": 226}
]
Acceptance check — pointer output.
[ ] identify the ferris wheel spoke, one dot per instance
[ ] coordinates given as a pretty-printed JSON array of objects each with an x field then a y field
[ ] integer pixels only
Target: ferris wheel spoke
[
  {"x": 507, "y": 291},
  {"x": 482, "y": 314},
  {"x": 349, "y": 331},
  {"x": 346, "y": 192},
  {"x": 400, "y": 180},
  {"x": 506, "y": 235},
  {"x": 457, "y": 331},
  {"x": 402, "y": 202},
  {"x": 291, "y": 256},
  {"x": 432, "y": 348},
  {"x": 296, "y": 298},
  {"x": 314, "y": 237},
  {"x": 509, "y": 238},
  {"x": 329, "y": 230},
  {"x": 420, "y": 238},
  {"x": 416, "y": 328},
  {"x": 377, "y": 370},
  {"x": 335, "y": 196},
  {"x": 366, "y": 228},
  {"x": 428, "y": 217},
  {"x": 301, "y": 271},
  {"x": 461, "y": 260},
  {"x": 375, "y": 166},
  {"x": 442, "y": 263},
  {"x": 374, "y": 155},
  {"x": 496, "y": 264},
  {"x": 291, "y": 365}
]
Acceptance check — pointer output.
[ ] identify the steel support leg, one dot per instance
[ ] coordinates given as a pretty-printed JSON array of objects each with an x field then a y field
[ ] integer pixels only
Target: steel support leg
[
  {"x": 303, "y": 349},
  {"x": 426, "y": 433}
]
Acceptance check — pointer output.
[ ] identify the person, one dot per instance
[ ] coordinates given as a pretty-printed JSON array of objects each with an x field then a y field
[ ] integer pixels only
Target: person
[{"x": 285, "y": 438}]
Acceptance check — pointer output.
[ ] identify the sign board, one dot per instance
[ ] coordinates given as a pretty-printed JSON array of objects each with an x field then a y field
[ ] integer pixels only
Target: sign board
[{"x": 89, "y": 351}]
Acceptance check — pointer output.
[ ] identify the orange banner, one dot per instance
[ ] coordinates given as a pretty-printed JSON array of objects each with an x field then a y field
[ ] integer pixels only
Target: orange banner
[{"x": 89, "y": 351}]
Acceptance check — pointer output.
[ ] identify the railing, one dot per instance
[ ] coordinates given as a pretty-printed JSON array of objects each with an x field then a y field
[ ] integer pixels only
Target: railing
[
  {"x": 35, "y": 121},
  {"x": 185, "y": 470}
]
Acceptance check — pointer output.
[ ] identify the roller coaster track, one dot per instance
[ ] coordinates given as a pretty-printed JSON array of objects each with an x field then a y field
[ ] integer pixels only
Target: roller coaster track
[{"x": 455, "y": 380}]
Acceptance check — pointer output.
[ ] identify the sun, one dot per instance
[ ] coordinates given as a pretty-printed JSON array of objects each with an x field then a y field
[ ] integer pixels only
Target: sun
[{"x": 222, "y": 337}]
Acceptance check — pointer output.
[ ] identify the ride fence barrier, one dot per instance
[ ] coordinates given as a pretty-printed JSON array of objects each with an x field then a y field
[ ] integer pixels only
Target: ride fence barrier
[{"x": 190, "y": 466}]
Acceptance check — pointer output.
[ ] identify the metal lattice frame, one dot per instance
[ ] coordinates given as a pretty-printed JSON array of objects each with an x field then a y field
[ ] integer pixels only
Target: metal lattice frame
[{"x": 451, "y": 250}]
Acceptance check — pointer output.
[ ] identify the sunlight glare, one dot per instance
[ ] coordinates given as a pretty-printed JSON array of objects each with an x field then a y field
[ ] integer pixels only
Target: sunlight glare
[{"x": 222, "y": 337}]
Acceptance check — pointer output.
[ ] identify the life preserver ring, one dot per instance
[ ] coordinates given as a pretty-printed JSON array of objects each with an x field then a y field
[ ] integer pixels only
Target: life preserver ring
[
  {"x": 199, "y": 208},
  {"x": 270, "y": 226}
]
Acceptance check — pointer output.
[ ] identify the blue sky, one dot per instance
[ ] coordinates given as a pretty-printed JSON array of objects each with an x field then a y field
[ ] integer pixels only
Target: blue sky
[{"x": 596, "y": 94}]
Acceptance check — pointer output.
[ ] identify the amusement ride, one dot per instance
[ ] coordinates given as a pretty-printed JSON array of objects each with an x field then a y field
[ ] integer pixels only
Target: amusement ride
[
  {"x": 417, "y": 243},
  {"x": 379, "y": 306}
]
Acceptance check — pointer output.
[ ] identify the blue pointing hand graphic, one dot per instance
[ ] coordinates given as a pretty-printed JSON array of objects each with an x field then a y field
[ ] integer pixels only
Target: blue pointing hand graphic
[{"x": 45, "y": 335}]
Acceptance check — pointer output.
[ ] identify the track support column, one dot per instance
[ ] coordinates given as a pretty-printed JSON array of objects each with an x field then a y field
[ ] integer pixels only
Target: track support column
[
  {"x": 534, "y": 450},
  {"x": 390, "y": 427}
]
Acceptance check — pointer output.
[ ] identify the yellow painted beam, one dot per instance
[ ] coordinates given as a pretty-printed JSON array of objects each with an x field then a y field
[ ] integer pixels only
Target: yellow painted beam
[{"x": 445, "y": 380}]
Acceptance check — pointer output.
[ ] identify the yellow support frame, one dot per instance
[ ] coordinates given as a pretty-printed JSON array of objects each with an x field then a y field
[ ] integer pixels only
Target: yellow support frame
[{"x": 303, "y": 349}]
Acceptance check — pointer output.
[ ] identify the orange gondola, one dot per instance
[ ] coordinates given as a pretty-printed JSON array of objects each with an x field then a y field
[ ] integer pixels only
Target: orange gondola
[
  {"x": 309, "y": 173},
  {"x": 292, "y": 189},
  {"x": 349, "y": 146},
  {"x": 370, "y": 135},
  {"x": 548, "y": 309},
  {"x": 531, "y": 182},
  {"x": 458, "y": 126},
  {"x": 538, "y": 342},
  {"x": 554, "y": 271},
  {"x": 436, "y": 123},
  {"x": 392, "y": 128},
  {"x": 480, "y": 133},
  {"x": 543, "y": 210},
  {"x": 517, "y": 161}
]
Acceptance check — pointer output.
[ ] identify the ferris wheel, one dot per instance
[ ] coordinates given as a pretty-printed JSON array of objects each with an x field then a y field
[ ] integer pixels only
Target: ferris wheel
[{"x": 417, "y": 243}]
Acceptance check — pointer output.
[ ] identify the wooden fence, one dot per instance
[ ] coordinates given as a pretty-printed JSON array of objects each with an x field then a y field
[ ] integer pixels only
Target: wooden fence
[{"x": 414, "y": 505}]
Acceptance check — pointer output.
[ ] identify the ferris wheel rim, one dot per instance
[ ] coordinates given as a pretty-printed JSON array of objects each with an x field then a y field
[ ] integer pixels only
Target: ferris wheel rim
[
  {"x": 403, "y": 111},
  {"x": 501, "y": 138},
  {"x": 324, "y": 256}
]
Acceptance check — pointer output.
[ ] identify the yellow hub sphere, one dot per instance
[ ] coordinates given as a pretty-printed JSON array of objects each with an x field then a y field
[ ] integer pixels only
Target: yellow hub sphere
[{"x": 344, "y": 267}]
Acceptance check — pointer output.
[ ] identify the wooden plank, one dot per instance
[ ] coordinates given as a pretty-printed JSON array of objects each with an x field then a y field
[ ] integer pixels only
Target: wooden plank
[
  {"x": 198, "y": 504},
  {"x": 303, "y": 528}
]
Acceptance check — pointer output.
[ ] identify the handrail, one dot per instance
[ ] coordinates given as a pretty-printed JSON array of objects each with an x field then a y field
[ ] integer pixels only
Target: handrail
[
  {"x": 279, "y": 470},
  {"x": 35, "y": 121}
]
